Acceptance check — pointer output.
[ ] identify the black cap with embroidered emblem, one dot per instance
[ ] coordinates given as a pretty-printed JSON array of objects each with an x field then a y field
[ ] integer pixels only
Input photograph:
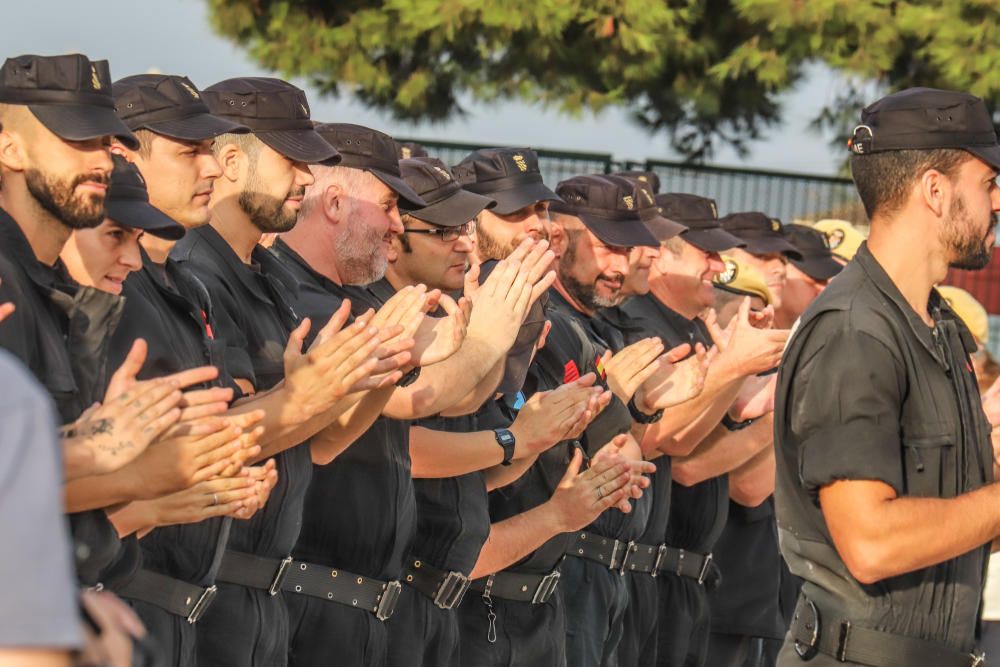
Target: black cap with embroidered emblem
[
  {"x": 411, "y": 149},
  {"x": 70, "y": 95},
  {"x": 276, "y": 112},
  {"x": 372, "y": 151},
  {"x": 170, "y": 105},
  {"x": 927, "y": 119},
  {"x": 701, "y": 217},
  {"x": 761, "y": 234},
  {"x": 650, "y": 178},
  {"x": 508, "y": 175},
  {"x": 608, "y": 206},
  {"x": 448, "y": 204},
  {"x": 817, "y": 257},
  {"x": 128, "y": 204}
]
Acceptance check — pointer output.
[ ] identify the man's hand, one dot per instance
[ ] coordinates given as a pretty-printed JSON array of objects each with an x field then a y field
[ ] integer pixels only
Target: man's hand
[
  {"x": 117, "y": 624},
  {"x": 636, "y": 468},
  {"x": 222, "y": 496},
  {"x": 549, "y": 417},
  {"x": 756, "y": 398},
  {"x": 677, "y": 380},
  {"x": 437, "y": 338},
  {"x": 581, "y": 497},
  {"x": 632, "y": 366},
  {"x": 744, "y": 348},
  {"x": 265, "y": 478}
]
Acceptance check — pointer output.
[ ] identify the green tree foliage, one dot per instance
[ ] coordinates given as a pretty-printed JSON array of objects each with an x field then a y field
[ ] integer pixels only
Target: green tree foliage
[{"x": 700, "y": 71}]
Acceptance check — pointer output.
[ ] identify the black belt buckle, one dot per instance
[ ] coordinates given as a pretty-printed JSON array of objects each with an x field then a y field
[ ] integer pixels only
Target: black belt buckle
[
  {"x": 630, "y": 548},
  {"x": 661, "y": 553},
  {"x": 387, "y": 601},
  {"x": 202, "y": 605},
  {"x": 546, "y": 587},
  {"x": 451, "y": 591},
  {"x": 279, "y": 576},
  {"x": 809, "y": 651},
  {"x": 707, "y": 563}
]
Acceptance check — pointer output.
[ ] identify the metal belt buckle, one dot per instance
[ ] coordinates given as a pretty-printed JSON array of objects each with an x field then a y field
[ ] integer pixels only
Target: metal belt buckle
[
  {"x": 545, "y": 588},
  {"x": 387, "y": 602},
  {"x": 203, "y": 603},
  {"x": 978, "y": 659},
  {"x": 613, "y": 561},
  {"x": 705, "y": 564},
  {"x": 808, "y": 651},
  {"x": 279, "y": 576},
  {"x": 661, "y": 552},
  {"x": 630, "y": 549},
  {"x": 451, "y": 591}
]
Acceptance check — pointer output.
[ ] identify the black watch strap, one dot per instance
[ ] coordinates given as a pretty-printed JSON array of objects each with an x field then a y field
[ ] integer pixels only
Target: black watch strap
[
  {"x": 506, "y": 440},
  {"x": 409, "y": 378},
  {"x": 734, "y": 425},
  {"x": 641, "y": 417}
]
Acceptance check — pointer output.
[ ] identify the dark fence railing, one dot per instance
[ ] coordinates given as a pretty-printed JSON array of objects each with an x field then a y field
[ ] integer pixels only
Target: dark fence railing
[{"x": 788, "y": 196}]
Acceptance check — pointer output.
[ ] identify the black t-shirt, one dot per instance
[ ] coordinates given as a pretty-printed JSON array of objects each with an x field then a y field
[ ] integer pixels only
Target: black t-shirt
[
  {"x": 360, "y": 512},
  {"x": 697, "y": 514},
  {"x": 255, "y": 316}
]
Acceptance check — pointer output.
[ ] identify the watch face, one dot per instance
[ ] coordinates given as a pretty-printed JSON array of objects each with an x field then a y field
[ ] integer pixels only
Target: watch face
[{"x": 506, "y": 438}]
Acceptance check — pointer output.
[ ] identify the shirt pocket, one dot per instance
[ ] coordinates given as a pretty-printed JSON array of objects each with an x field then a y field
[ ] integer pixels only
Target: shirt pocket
[{"x": 929, "y": 466}]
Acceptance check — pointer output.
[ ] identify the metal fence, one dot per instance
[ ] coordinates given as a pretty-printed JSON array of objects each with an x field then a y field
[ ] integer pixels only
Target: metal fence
[{"x": 784, "y": 195}]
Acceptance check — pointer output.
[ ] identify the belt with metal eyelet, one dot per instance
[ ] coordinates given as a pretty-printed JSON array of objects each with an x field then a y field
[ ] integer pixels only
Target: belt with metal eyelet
[{"x": 445, "y": 589}]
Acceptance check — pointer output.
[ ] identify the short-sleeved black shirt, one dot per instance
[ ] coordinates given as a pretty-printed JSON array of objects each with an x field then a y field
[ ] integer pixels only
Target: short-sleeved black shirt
[
  {"x": 867, "y": 391},
  {"x": 255, "y": 316},
  {"x": 697, "y": 514},
  {"x": 360, "y": 512}
]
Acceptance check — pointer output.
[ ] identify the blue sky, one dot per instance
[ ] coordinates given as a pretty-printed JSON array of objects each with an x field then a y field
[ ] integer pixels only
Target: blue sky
[{"x": 174, "y": 36}]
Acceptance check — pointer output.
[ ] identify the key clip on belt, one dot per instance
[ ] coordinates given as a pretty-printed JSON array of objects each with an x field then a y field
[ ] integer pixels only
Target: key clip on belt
[
  {"x": 279, "y": 576},
  {"x": 707, "y": 563},
  {"x": 202, "y": 605},
  {"x": 387, "y": 601},
  {"x": 546, "y": 587},
  {"x": 661, "y": 552},
  {"x": 630, "y": 548},
  {"x": 451, "y": 591},
  {"x": 978, "y": 659}
]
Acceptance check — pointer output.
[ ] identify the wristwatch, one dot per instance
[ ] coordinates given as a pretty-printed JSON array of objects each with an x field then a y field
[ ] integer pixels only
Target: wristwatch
[
  {"x": 641, "y": 417},
  {"x": 734, "y": 425},
  {"x": 506, "y": 440},
  {"x": 409, "y": 378}
]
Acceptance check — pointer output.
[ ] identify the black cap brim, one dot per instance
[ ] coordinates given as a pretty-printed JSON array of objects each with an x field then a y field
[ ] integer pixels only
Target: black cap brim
[
  {"x": 302, "y": 145},
  {"x": 818, "y": 268},
  {"x": 619, "y": 233},
  {"x": 198, "y": 127},
  {"x": 662, "y": 228},
  {"x": 408, "y": 198},
  {"x": 988, "y": 154},
  {"x": 82, "y": 122},
  {"x": 771, "y": 245},
  {"x": 453, "y": 211},
  {"x": 514, "y": 199},
  {"x": 143, "y": 215},
  {"x": 712, "y": 239}
]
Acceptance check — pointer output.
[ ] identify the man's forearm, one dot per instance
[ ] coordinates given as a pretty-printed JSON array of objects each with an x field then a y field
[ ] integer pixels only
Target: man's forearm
[
  {"x": 512, "y": 539},
  {"x": 483, "y": 392},
  {"x": 99, "y": 491},
  {"x": 500, "y": 476},
  {"x": 753, "y": 482},
  {"x": 683, "y": 427},
  {"x": 445, "y": 454},
  {"x": 722, "y": 451},
  {"x": 347, "y": 427}
]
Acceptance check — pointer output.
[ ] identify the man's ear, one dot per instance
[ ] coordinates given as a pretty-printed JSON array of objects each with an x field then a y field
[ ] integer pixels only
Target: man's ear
[
  {"x": 936, "y": 191},
  {"x": 333, "y": 201},
  {"x": 117, "y": 148},
  {"x": 12, "y": 150},
  {"x": 233, "y": 162}
]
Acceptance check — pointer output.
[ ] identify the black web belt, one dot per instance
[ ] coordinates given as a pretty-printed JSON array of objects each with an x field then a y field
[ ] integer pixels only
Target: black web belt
[
  {"x": 533, "y": 588},
  {"x": 815, "y": 631},
  {"x": 172, "y": 595},
  {"x": 318, "y": 581},
  {"x": 643, "y": 558},
  {"x": 445, "y": 589}
]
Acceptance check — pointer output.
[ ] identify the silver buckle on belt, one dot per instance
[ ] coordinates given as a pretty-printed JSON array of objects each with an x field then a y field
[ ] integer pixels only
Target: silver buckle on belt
[
  {"x": 613, "y": 561},
  {"x": 630, "y": 549},
  {"x": 546, "y": 587},
  {"x": 978, "y": 659},
  {"x": 451, "y": 591},
  {"x": 279, "y": 576},
  {"x": 387, "y": 601},
  {"x": 203, "y": 603},
  {"x": 704, "y": 568},
  {"x": 661, "y": 552}
]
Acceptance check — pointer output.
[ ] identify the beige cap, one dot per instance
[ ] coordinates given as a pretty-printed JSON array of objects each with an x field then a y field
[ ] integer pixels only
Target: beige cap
[
  {"x": 969, "y": 310},
  {"x": 845, "y": 238},
  {"x": 741, "y": 278}
]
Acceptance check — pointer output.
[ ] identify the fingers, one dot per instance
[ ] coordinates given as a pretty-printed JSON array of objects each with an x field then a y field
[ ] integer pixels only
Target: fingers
[
  {"x": 246, "y": 419},
  {"x": 6, "y": 309},
  {"x": 125, "y": 375},
  {"x": 203, "y": 411},
  {"x": 159, "y": 425},
  {"x": 296, "y": 339},
  {"x": 334, "y": 324},
  {"x": 193, "y": 376},
  {"x": 681, "y": 352},
  {"x": 573, "y": 469},
  {"x": 196, "y": 397},
  {"x": 472, "y": 280}
]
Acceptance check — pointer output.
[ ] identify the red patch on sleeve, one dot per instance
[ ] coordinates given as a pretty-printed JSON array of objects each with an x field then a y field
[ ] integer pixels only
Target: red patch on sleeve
[{"x": 572, "y": 372}]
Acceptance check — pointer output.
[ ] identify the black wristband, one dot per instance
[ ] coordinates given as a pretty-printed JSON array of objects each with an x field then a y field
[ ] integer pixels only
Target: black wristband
[
  {"x": 409, "y": 378},
  {"x": 734, "y": 425},
  {"x": 641, "y": 417}
]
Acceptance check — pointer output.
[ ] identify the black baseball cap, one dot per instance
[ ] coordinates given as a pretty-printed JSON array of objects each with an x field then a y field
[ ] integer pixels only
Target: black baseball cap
[
  {"x": 276, "y": 112},
  {"x": 926, "y": 119},
  {"x": 170, "y": 105},
  {"x": 508, "y": 175},
  {"x": 372, "y": 151},
  {"x": 448, "y": 205},
  {"x": 650, "y": 178},
  {"x": 409, "y": 149},
  {"x": 608, "y": 206},
  {"x": 817, "y": 259},
  {"x": 701, "y": 216},
  {"x": 761, "y": 234},
  {"x": 70, "y": 95},
  {"x": 662, "y": 228},
  {"x": 128, "y": 204}
]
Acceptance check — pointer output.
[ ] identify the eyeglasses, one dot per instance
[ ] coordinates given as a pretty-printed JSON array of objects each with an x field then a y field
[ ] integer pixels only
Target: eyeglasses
[{"x": 447, "y": 234}]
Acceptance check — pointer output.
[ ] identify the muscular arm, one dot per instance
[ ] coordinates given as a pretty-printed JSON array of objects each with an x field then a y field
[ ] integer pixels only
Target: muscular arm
[
  {"x": 723, "y": 451},
  {"x": 501, "y": 475},
  {"x": 753, "y": 482},
  {"x": 880, "y": 535},
  {"x": 512, "y": 539},
  {"x": 349, "y": 426}
]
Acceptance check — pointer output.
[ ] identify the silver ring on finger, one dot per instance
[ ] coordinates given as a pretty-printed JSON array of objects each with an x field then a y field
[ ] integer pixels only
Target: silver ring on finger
[
  {"x": 215, "y": 499},
  {"x": 600, "y": 492}
]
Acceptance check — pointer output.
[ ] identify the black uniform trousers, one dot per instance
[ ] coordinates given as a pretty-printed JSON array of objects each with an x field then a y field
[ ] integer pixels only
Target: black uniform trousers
[
  {"x": 244, "y": 627},
  {"x": 421, "y": 634},
  {"x": 685, "y": 622},
  {"x": 595, "y": 599},
  {"x": 176, "y": 639},
  {"x": 638, "y": 645},
  {"x": 527, "y": 635},
  {"x": 329, "y": 633}
]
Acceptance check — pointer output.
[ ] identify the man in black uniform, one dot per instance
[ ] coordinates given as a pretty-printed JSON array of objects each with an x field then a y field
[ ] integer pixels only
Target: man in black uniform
[
  {"x": 885, "y": 496},
  {"x": 807, "y": 276}
]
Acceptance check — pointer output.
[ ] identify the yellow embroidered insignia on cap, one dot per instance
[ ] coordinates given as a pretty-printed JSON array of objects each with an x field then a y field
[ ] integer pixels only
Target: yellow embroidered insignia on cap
[
  {"x": 775, "y": 225},
  {"x": 629, "y": 202},
  {"x": 715, "y": 211},
  {"x": 441, "y": 171},
  {"x": 835, "y": 238},
  {"x": 94, "y": 79},
  {"x": 191, "y": 91},
  {"x": 729, "y": 275},
  {"x": 643, "y": 178},
  {"x": 406, "y": 152},
  {"x": 305, "y": 109},
  {"x": 519, "y": 161}
]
